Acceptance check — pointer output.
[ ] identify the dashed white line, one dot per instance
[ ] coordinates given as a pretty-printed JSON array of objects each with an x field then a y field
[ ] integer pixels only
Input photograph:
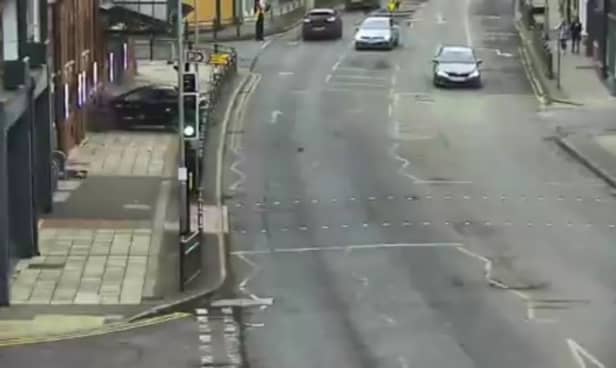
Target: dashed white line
[
  {"x": 467, "y": 23},
  {"x": 328, "y": 78}
]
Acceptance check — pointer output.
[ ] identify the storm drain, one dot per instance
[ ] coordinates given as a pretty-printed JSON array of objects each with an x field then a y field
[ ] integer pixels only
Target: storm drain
[
  {"x": 424, "y": 98},
  {"x": 46, "y": 266}
]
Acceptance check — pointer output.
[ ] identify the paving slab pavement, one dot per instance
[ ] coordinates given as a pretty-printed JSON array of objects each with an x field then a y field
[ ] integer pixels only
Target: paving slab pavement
[{"x": 596, "y": 152}]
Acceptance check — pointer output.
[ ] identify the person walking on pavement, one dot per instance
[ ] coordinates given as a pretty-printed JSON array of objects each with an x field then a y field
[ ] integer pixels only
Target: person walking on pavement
[
  {"x": 563, "y": 34},
  {"x": 576, "y": 35},
  {"x": 260, "y": 9}
]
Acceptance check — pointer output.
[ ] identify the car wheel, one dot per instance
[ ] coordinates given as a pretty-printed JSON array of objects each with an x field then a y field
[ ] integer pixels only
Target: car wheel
[
  {"x": 478, "y": 84},
  {"x": 435, "y": 82}
]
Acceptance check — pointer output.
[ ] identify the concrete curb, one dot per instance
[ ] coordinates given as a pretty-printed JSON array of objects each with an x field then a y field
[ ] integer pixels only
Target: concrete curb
[
  {"x": 104, "y": 330},
  {"x": 570, "y": 148},
  {"x": 537, "y": 79},
  {"x": 538, "y": 84},
  {"x": 180, "y": 303}
]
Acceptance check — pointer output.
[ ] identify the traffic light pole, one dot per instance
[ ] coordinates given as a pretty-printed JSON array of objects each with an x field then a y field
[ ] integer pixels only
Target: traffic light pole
[{"x": 182, "y": 171}]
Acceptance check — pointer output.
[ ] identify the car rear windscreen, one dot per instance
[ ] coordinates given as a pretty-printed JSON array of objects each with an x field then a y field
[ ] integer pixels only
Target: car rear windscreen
[{"x": 322, "y": 13}]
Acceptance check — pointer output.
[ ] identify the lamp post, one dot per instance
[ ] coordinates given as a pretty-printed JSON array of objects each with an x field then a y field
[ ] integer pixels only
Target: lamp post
[{"x": 182, "y": 171}]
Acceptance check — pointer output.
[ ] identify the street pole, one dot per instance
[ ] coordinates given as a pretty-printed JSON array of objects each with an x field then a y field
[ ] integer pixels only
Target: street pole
[
  {"x": 558, "y": 51},
  {"x": 200, "y": 148},
  {"x": 182, "y": 172}
]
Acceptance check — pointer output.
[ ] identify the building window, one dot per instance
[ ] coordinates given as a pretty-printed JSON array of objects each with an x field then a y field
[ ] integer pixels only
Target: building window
[{"x": 33, "y": 16}]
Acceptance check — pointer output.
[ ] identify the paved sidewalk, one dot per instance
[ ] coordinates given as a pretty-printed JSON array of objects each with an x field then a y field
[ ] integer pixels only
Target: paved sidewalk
[
  {"x": 109, "y": 249},
  {"x": 102, "y": 243},
  {"x": 580, "y": 83},
  {"x": 596, "y": 152}
]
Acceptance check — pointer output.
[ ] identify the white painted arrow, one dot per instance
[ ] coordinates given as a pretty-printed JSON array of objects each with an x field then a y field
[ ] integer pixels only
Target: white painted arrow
[
  {"x": 504, "y": 54},
  {"x": 582, "y": 357},
  {"x": 275, "y": 115},
  {"x": 242, "y": 302}
]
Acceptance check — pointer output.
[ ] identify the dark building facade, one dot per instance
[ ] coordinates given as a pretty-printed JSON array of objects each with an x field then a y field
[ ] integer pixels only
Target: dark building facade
[{"x": 26, "y": 136}]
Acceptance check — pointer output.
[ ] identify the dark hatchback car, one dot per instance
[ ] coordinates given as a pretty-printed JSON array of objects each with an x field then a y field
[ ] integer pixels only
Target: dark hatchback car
[
  {"x": 148, "y": 106},
  {"x": 456, "y": 65},
  {"x": 322, "y": 23}
]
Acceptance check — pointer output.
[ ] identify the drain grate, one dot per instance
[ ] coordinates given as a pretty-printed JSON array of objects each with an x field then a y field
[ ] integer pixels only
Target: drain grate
[
  {"x": 46, "y": 266},
  {"x": 421, "y": 97}
]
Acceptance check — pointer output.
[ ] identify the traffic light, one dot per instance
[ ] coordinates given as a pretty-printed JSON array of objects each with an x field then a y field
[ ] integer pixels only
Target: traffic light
[
  {"x": 190, "y": 83},
  {"x": 191, "y": 116}
]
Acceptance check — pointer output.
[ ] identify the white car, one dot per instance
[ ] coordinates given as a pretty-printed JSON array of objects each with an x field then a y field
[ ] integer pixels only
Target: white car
[{"x": 377, "y": 33}]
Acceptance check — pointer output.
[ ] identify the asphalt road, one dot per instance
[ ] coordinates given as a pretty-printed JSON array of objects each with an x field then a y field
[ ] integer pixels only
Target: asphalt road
[{"x": 399, "y": 225}]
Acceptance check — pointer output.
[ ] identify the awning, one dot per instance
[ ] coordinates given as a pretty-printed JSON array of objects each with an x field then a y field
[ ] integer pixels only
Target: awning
[{"x": 122, "y": 20}]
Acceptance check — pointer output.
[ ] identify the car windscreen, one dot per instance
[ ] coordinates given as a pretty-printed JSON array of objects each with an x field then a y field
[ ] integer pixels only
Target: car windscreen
[
  {"x": 321, "y": 13},
  {"x": 456, "y": 56},
  {"x": 375, "y": 24}
]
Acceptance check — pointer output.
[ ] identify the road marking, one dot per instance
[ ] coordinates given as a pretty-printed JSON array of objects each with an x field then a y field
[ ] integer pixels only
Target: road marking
[
  {"x": 467, "y": 23},
  {"x": 358, "y": 70},
  {"x": 328, "y": 78},
  {"x": 393, "y": 80},
  {"x": 265, "y": 44},
  {"x": 242, "y": 302},
  {"x": 242, "y": 177},
  {"x": 390, "y": 110},
  {"x": 443, "y": 182},
  {"x": 503, "y": 54},
  {"x": 390, "y": 321},
  {"x": 275, "y": 115},
  {"x": 285, "y": 74},
  {"x": 137, "y": 206},
  {"x": 361, "y": 77},
  {"x": 348, "y": 248},
  {"x": 403, "y": 362},
  {"x": 360, "y": 85},
  {"x": 405, "y": 163},
  {"x": 580, "y": 355},
  {"x": 440, "y": 19},
  {"x": 336, "y": 65}
]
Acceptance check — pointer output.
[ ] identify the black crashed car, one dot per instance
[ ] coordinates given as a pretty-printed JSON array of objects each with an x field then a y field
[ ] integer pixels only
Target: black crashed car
[
  {"x": 322, "y": 23},
  {"x": 149, "y": 106},
  {"x": 456, "y": 65}
]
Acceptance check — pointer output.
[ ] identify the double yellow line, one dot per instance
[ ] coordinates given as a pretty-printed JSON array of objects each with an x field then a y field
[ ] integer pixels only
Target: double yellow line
[
  {"x": 104, "y": 330},
  {"x": 239, "y": 115}
]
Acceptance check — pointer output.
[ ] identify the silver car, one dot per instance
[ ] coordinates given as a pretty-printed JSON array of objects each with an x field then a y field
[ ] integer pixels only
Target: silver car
[
  {"x": 456, "y": 65},
  {"x": 377, "y": 33}
]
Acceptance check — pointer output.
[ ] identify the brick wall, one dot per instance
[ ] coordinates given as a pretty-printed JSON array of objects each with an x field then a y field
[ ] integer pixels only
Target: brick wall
[{"x": 76, "y": 48}]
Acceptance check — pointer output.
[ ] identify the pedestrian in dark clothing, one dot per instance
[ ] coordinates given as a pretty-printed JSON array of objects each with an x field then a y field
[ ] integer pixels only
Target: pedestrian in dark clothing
[
  {"x": 260, "y": 12},
  {"x": 563, "y": 35},
  {"x": 576, "y": 35}
]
